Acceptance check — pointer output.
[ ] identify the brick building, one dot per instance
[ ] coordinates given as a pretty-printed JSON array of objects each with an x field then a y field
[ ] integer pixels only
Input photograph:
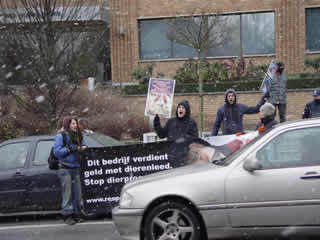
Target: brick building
[{"x": 283, "y": 29}]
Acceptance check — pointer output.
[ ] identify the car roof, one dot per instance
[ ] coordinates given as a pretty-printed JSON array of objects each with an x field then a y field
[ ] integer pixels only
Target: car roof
[
  {"x": 91, "y": 139},
  {"x": 298, "y": 123}
]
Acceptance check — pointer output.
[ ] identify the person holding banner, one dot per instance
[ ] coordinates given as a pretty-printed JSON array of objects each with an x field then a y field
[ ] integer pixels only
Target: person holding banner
[
  {"x": 180, "y": 131},
  {"x": 266, "y": 115},
  {"x": 277, "y": 90},
  {"x": 231, "y": 114},
  {"x": 66, "y": 148}
]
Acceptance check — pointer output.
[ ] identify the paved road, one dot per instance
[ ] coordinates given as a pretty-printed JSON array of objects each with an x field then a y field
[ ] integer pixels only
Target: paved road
[{"x": 53, "y": 229}]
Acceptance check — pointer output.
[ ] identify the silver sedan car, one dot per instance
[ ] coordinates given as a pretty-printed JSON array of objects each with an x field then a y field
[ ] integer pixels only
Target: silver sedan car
[{"x": 270, "y": 187}]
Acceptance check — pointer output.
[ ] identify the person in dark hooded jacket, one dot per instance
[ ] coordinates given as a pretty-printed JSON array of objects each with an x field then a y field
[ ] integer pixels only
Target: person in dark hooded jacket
[
  {"x": 312, "y": 109},
  {"x": 231, "y": 114},
  {"x": 180, "y": 132}
]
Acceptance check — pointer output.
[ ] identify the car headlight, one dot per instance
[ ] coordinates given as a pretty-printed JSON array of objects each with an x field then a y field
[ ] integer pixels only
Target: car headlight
[{"x": 125, "y": 200}]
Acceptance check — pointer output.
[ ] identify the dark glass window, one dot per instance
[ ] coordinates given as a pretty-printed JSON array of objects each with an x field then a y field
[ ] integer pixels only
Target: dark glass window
[
  {"x": 312, "y": 29},
  {"x": 13, "y": 155},
  {"x": 258, "y": 37},
  {"x": 258, "y": 33}
]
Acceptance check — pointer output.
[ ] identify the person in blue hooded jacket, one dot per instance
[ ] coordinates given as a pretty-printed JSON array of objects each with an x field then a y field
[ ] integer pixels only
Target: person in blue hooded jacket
[
  {"x": 180, "y": 131},
  {"x": 231, "y": 114},
  {"x": 68, "y": 173}
]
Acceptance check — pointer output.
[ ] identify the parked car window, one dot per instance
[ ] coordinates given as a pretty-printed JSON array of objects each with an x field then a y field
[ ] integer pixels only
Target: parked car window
[
  {"x": 13, "y": 155},
  {"x": 42, "y": 152},
  {"x": 294, "y": 148}
]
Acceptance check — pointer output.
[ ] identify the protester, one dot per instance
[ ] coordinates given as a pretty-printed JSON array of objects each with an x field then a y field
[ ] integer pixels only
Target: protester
[
  {"x": 84, "y": 126},
  {"x": 266, "y": 115},
  {"x": 69, "y": 175},
  {"x": 231, "y": 114},
  {"x": 180, "y": 131},
  {"x": 312, "y": 109},
  {"x": 277, "y": 90}
]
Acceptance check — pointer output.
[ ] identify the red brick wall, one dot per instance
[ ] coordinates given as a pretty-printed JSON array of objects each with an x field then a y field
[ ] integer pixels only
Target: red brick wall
[
  {"x": 296, "y": 102},
  {"x": 289, "y": 27}
]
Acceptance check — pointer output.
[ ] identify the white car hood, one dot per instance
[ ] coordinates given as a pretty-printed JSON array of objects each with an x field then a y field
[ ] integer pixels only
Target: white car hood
[{"x": 172, "y": 173}]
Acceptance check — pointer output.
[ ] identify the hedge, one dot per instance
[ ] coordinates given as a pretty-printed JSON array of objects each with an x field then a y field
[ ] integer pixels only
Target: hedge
[{"x": 252, "y": 85}]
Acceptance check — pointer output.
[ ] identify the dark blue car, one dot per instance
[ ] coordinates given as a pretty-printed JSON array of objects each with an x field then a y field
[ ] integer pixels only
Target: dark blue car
[{"x": 27, "y": 185}]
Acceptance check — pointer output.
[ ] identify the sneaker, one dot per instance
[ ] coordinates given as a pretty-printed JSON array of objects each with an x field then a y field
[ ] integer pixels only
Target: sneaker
[
  {"x": 79, "y": 218},
  {"x": 69, "y": 220}
]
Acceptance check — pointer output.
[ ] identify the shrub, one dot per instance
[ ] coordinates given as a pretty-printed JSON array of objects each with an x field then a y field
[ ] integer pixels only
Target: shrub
[
  {"x": 211, "y": 72},
  {"x": 314, "y": 63},
  {"x": 106, "y": 114},
  {"x": 143, "y": 74}
]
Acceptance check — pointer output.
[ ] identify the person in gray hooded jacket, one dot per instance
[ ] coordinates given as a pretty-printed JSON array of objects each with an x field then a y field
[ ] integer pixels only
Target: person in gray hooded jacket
[
  {"x": 231, "y": 114},
  {"x": 277, "y": 91}
]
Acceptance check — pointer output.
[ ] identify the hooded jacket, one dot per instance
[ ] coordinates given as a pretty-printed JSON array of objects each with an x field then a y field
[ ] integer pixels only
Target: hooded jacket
[
  {"x": 180, "y": 133},
  {"x": 231, "y": 115},
  {"x": 312, "y": 109},
  {"x": 277, "y": 88},
  {"x": 176, "y": 127}
]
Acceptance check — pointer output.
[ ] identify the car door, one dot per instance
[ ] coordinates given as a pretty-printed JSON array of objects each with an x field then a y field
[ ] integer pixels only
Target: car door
[
  {"x": 13, "y": 158},
  {"x": 43, "y": 191},
  {"x": 286, "y": 190}
]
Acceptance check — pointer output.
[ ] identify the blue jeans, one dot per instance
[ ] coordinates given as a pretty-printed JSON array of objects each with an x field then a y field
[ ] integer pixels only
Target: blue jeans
[{"x": 71, "y": 191}]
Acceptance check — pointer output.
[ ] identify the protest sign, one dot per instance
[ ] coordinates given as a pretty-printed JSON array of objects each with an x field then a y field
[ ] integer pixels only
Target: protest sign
[
  {"x": 269, "y": 75},
  {"x": 160, "y": 97}
]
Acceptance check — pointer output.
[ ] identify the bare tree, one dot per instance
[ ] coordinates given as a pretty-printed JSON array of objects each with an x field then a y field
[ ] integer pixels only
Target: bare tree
[
  {"x": 47, "y": 47},
  {"x": 201, "y": 33}
]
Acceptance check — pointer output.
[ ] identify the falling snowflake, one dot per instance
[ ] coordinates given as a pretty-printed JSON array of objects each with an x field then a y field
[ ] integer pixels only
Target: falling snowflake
[
  {"x": 18, "y": 67},
  {"x": 85, "y": 110},
  {"x": 40, "y": 99},
  {"x": 51, "y": 68},
  {"x": 9, "y": 75},
  {"x": 43, "y": 85}
]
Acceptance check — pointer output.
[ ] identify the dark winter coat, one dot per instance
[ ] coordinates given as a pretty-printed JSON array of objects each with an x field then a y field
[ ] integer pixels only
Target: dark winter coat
[
  {"x": 231, "y": 115},
  {"x": 312, "y": 109},
  {"x": 180, "y": 132},
  {"x": 268, "y": 122}
]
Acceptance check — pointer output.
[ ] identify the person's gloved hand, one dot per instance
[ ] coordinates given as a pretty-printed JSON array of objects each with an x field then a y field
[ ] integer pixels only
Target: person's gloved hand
[
  {"x": 156, "y": 119},
  {"x": 73, "y": 148}
]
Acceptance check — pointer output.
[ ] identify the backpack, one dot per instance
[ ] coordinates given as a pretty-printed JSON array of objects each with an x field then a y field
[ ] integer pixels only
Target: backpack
[{"x": 53, "y": 161}]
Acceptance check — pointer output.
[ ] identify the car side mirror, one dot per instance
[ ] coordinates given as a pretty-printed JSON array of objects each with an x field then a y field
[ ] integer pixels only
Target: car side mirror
[{"x": 251, "y": 164}]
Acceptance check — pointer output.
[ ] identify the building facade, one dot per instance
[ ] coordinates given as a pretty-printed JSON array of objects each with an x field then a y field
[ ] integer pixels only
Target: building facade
[{"x": 285, "y": 30}]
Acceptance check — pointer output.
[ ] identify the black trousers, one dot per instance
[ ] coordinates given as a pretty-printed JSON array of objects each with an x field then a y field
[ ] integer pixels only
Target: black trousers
[{"x": 282, "y": 108}]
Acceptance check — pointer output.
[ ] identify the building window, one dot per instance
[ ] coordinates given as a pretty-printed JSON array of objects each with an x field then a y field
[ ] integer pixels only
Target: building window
[
  {"x": 312, "y": 29},
  {"x": 257, "y": 31}
]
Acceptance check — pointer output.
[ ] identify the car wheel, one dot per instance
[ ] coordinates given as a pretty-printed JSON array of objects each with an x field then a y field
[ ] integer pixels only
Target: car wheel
[{"x": 172, "y": 221}]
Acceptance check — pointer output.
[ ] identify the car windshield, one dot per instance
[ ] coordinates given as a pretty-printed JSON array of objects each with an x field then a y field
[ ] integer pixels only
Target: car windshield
[{"x": 229, "y": 159}]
